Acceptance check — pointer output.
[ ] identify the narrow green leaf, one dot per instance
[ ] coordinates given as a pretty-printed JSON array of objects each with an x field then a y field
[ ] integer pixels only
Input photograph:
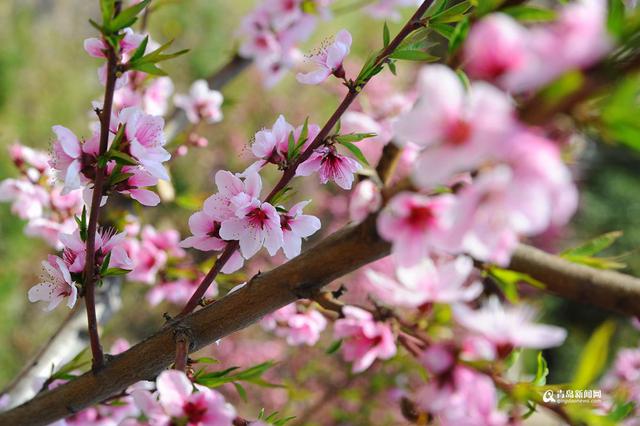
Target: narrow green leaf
[
  {"x": 541, "y": 372},
  {"x": 444, "y": 30},
  {"x": 113, "y": 272},
  {"x": 105, "y": 264},
  {"x": 356, "y": 152},
  {"x": 353, "y": 137},
  {"x": 392, "y": 67},
  {"x": 594, "y": 246},
  {"x": 149, "y": 69},
  {"x": 139, "y": 53},
  {"x": 334, "y": 347},
  {"x": 122, "y": 158},
  {"x": 594, "y": 356},
  {"x": 459, "y": 35},
  {"x": 616, "y": 18},
  {"x": 453, "y": 14},
  {"x": 291, "y": 146},
  {"x": 386, "y": 37},
  {"x": 126, "y": 17},
  {"x": 241, "y": 391},
  {"x": 413, "y": 55},
  {"x": 107, "y": 7}
]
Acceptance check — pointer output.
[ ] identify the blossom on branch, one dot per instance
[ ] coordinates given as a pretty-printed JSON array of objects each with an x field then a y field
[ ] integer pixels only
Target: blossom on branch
[{"x": 328, "y": 60}]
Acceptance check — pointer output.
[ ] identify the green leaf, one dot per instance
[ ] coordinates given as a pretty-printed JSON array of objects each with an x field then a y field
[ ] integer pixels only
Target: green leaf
[
  {"x": 621, "y": 411},
  {"x": 594, "y": 246},
  {"x": 413, "y": 55},
  {"x": 139, "y": 53},
  {"x": 113, "y": 272},
  {"x": 353, "y": 137},
  {"x": 542, "y": 371},
  {"x": 386, "y": 37},
  {"x": 459, "y": 35},
  {"x": 356, "y": 152},
  {"x": 149, "y": 69},
  {"x": 107, "y": 7},
  {"x": 122, "y": 158},
  {"x": 508, "y": 281},
  {"x": 392, "y": 67},
  {"x": 530, "y": 13},
  {"x": 594, "y": 356},
  {"x": 206, "y": 360},
  {"x": 127, "y": 17},
  {"x": 615, "y": 17},
  {"x": 334, "y": 347},
  {"x": 584, "y": 253},
  {"x": 444, "y": 30},
  {"x": 453, "y": 14},
  {"x": 105, "y": 264},
  {"x": 291, "y": 146},
  {"x": 241, "y": 391},
  {"x": 436, "y": 7},
  {"x": 116, "y": 178}
]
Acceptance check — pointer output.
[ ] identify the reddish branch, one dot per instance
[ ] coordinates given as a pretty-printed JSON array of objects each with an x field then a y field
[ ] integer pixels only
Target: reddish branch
[
  {"x": 354, "y": 89},
  {"x": 89, "y": 272}
]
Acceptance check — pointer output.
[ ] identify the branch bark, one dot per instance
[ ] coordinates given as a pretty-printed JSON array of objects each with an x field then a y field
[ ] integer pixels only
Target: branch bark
[{"x": 302, "y": 277}]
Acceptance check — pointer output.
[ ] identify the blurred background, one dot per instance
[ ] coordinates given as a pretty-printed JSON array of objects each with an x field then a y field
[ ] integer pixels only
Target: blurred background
[{"x": 46, "y": 79}]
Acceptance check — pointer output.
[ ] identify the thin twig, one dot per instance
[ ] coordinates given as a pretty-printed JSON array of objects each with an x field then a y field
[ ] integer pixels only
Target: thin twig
[{"x": 89, "y": 272}]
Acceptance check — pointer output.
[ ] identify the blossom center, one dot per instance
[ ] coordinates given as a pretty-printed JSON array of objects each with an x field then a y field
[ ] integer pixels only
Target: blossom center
[
  {"x": 421, "y": 216},
  {"x": 458, "y": 132},
  {"x": 257, "y": 217},
  {"x": 195, "y": 412}
]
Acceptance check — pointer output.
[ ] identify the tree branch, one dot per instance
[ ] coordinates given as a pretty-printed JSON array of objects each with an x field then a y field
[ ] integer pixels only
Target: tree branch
[{"x": 302, "y": 277}]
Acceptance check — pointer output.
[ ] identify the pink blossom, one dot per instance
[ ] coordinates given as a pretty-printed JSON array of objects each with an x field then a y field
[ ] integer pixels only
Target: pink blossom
[
  {"x": 70, "y": 157},
  {"x": 427, "y": 282},
  {"x": 533, "y": 191},
  {"x": 136, "y": 184},
  {"x": 28, "y": 199},
  {"x": 96, "y": 47},
  {"x": 272, "y": 145},
  {"x": 364, "y": 338},
  {"x": 522, "y": 59},
  {"x": 107, "y": 241},
  {"x": 145, "y": 138},
  {"x": 178, "y": 292},
  {"x": 463, "y": 397},
  {"x": 365, "y": 199},
  {"x": 256, "y": 224},
  {"x": 296, "y": 226},
  {"x": 22, "y": 155},
  {"x": 148, "y": 260},
  {"x": 416, "y": 225},
  {"x": 461, "y": 130},
  {"x": 233, "y": 192},
  {"x": 508, "y": 327},
  {"x": 298, "y": 327},
  {"x": 55, "y": 286},
  {"x": 205, "y": 407},
  {"x": 496, "y": 46},
  {"x": 329, "y": 60},
  {"x": 330, "y": 165},
  {"x": 50, "y": 230},
  {"x": 201, "y": 104},
  {"x": 156, "y": 96},
  {"x": 305, "y": 328}
]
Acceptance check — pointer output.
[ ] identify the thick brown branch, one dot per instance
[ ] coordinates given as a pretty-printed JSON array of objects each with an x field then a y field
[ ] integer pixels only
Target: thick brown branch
[
  {"x": 605, "y": 289},
  {"x": 302, "y": 277}
]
